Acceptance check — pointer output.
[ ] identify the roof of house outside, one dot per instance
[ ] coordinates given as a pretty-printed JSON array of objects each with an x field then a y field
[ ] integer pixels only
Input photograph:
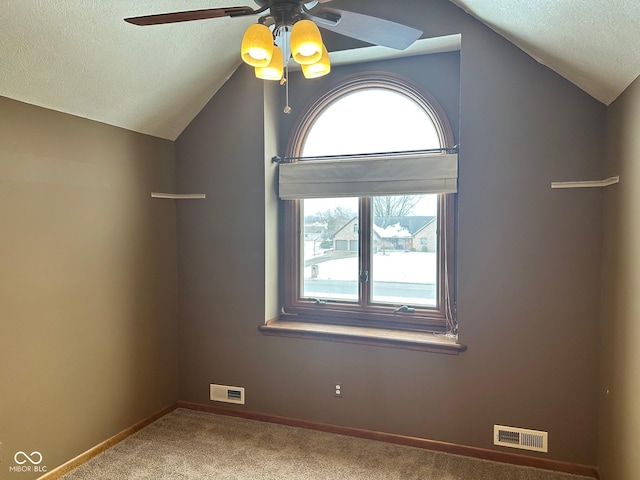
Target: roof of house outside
[
  {"x": 397, "y": 226},
  {"x": 410, "y": 223}
]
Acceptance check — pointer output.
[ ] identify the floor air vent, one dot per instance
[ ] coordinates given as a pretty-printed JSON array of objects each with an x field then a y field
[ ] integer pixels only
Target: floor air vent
[{"x": 520, "y": 438}]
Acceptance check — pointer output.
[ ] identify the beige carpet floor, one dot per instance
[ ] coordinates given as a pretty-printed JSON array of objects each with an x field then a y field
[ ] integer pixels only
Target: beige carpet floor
[{"x": 192, "y": 445}]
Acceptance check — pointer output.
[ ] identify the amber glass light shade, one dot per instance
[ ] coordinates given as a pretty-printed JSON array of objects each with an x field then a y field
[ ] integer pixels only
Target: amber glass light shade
[
  {"x": 257, "y": 45},
  {"x": 318, "y": 69},
  {"x": 275, "y": 69},
  {"x": 306, "y": 42}
]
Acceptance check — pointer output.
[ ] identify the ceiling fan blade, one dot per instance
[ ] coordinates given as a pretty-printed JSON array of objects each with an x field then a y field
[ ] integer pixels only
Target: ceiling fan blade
[
  {"x": 192, "y": 15},
  {"x": 370, "y": 29}
]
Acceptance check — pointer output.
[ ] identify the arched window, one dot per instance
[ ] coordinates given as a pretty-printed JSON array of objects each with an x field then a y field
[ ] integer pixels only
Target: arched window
[{"x": 369, "y": 189}]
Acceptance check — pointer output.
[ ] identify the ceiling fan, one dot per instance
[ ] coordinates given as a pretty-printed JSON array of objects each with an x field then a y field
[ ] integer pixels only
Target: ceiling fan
[
  {"x": 369, "y": 29},
  {"x": 289, "y": 29}
]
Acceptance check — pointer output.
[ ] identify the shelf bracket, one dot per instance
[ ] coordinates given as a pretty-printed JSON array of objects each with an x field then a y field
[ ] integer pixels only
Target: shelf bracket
[
  {"x": 178, "y": 196},
  {"x": 587, "y": 184}
]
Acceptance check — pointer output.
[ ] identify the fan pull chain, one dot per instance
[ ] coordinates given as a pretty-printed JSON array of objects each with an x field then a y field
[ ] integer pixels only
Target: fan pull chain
[{"x": 285, "y": 81}]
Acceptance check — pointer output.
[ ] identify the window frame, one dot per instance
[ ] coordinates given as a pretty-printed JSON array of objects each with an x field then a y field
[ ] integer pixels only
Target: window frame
[{"x": 366, "y": 314}]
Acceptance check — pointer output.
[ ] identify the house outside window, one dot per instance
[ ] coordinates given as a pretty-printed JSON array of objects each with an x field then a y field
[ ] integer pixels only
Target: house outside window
[{"x": 372, "y": 162}]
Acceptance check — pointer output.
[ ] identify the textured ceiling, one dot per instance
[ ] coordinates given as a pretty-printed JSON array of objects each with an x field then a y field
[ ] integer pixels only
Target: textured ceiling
[
  {"x": 80, "y": 57},
  {"x": 595, "y": 44}
]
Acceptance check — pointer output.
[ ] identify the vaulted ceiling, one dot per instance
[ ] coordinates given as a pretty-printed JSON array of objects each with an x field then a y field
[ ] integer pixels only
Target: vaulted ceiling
[
  {"x": 80, "y": 57},
  {"x": 593, "y": 43}
]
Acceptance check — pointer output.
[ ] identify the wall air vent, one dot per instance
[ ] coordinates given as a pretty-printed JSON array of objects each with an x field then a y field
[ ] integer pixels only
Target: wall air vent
[
  {"x": 520, "y": 438},
  {"x": 225, "y": 393}
]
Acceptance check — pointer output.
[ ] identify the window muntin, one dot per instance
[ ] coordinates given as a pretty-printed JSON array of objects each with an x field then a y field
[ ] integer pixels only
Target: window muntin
[{"x": 360, "y": 118}]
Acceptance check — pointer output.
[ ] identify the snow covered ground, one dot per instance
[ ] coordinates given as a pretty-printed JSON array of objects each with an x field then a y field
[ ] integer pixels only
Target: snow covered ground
[{"x": 411, "y": 267}]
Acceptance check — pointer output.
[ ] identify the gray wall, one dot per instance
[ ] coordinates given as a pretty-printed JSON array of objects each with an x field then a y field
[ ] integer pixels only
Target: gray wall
[
  {"x": 620, "y": 389},
  {"x": 222, "y": 256},
  {"x": 87, "y": 285},
  {"x": 528, "y": 262}
]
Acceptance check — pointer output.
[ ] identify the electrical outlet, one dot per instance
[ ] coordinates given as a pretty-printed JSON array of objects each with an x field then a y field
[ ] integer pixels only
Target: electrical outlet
[{"x": 337, "y": 389}]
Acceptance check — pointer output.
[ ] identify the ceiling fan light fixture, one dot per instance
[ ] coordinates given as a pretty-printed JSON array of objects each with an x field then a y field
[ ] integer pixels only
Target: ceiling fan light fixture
[
  {"x": 306, "y": 42},
  {"x": 318, "y": 69},
  {"x": 257, "y": 45},
  {"x": 275, "y": 69}
]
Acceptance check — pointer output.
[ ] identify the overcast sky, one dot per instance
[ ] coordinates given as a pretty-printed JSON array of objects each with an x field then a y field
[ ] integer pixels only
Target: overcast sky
[{"x": 370, "y": 121}]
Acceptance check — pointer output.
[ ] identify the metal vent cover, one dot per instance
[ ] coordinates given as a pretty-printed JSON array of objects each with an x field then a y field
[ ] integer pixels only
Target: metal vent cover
[
  {"x": 522, "y": 438},
  {"x": 226, "y": 393}
]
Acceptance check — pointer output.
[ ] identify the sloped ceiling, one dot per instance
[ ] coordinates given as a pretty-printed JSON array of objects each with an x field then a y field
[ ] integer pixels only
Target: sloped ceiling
[
  {"x": 595, "y": 44},
  {"x": 80, "y": 57}
]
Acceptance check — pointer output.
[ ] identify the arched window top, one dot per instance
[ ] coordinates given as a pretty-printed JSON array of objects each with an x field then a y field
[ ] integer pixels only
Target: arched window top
[{"x": 372, "y": 114}]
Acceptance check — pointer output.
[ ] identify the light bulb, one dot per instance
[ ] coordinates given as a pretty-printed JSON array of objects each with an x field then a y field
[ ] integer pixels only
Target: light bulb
[
  {"x": 257, "y": 45},
  {"x": 318, "y": 69},
  {"x": 306, "y": 42},
  {"x": 274, "y": 70}
]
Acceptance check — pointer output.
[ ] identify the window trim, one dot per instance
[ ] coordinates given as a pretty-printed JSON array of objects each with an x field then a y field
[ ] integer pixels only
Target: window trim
[
  {"x": 342, "y": 320},
  {"x": 380, "y": 316},
  {"x": 406, "y": 340},
  {"x": 373, "y": 79}
]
